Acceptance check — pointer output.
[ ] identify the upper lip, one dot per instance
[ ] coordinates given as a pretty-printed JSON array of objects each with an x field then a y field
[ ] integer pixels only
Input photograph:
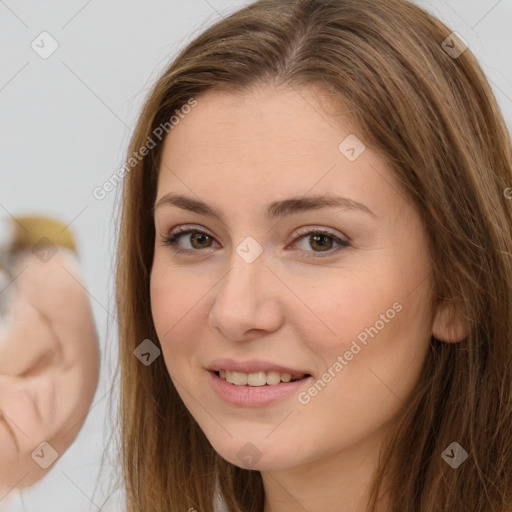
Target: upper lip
[{"x": 253, "y": 366}]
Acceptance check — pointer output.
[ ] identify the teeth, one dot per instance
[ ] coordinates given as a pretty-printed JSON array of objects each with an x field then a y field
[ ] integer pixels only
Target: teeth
[
  {"x": 240, "y": 379},
  {"x": 270, "y": 378},
  {"x": 256, "y": 379}
]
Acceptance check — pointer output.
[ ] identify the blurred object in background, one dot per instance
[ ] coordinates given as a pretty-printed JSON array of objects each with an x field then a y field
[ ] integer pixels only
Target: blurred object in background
[{"x": 49, "y": 357}]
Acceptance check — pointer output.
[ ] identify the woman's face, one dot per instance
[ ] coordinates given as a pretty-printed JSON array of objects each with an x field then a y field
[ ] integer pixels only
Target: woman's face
[{"x": 337, "y": 292}]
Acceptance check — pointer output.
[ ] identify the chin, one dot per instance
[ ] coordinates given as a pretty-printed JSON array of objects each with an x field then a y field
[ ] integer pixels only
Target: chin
[{"x": 251, "y": 454}]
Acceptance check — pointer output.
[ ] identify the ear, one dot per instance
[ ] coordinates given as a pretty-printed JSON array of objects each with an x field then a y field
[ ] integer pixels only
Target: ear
[
  {"x": 448, "y": 326},
  {"x": 49, "y": 357}
]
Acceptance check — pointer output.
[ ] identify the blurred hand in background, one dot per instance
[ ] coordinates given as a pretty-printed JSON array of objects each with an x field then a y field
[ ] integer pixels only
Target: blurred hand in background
[{"x": 49, "y": 356}]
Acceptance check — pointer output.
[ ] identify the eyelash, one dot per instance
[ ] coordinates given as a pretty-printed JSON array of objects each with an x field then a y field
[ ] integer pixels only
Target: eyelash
[{"x": 173, "y": 238}]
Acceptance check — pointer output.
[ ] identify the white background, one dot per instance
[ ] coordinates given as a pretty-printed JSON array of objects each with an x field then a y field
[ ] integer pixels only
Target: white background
[{"x": 65, "y": 123}]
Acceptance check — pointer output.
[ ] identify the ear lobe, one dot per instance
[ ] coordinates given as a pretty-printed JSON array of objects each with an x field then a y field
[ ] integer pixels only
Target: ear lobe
[{"x": 448, "y": 325}]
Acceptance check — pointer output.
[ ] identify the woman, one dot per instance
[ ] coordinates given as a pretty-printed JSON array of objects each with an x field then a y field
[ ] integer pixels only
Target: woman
[{"x": 316, "y": 238}]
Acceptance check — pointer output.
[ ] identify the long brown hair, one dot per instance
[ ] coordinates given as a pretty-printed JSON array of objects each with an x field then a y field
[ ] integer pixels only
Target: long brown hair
[{"x": 432, "y": 115}]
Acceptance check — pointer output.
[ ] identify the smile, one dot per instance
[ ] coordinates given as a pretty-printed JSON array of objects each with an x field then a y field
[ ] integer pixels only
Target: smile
[
  {"x": 257, "y": 379},
  {"x": 258, "y": 394}
]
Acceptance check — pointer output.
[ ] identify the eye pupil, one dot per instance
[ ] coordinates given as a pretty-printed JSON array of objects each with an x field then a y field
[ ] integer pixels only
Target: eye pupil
[
  {"x": 316, "y": 238},
  {"x": 200, "y": 237}
]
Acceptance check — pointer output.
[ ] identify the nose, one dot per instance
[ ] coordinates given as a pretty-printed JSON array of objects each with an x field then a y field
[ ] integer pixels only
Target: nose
[{"x": 247, "y": 301}]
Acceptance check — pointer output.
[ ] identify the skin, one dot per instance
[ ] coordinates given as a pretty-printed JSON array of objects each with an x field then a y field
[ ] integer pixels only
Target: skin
[
  {"x": 239, "y": 153},
  {"x": 49, "y": 364}
]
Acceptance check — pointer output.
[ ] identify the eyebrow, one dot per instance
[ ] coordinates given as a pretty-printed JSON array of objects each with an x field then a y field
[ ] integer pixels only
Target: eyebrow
[{"x": 274, "y": 210}]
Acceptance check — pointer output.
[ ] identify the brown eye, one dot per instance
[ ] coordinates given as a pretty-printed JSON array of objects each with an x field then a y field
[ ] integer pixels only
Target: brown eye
[
  {"x": 198, "y": 240},
  {"x": 321, "y": 241},
  {"x": 318, "y": 240},
  {"x": 201, "y": 239}
]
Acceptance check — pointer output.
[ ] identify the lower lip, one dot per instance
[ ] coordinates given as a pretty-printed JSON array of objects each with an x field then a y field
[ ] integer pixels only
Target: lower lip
[{"x": 254, "y": 396}]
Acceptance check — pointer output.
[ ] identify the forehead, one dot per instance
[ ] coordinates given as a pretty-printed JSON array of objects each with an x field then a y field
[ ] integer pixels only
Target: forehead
[
  {"x": 245, "y": 151},
  {"x": 266, "y": 131}
]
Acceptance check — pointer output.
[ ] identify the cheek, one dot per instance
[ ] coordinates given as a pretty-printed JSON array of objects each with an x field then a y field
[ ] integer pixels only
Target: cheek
[
  {"x": 170, "y": 296},
  {"x": 343, "y": 307},
  {"x": 175, "y": 305},
  {"x": 386, "y": 344},
  {"x": 375, "y": 319}
]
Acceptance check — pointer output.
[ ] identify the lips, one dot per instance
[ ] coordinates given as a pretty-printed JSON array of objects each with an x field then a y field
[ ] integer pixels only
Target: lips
[
  {"x": 254, "y": 366},
  {"x": 259, "y": 396}
]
